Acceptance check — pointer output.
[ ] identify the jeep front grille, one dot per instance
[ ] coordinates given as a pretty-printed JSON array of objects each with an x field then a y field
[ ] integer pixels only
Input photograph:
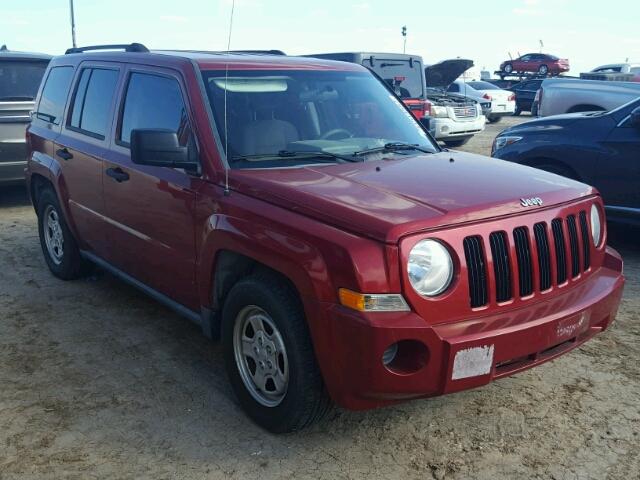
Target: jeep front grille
[{"x": 531, "y": 252}]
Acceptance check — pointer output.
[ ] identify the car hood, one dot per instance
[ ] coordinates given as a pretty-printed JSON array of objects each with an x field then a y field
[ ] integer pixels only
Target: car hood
[
  {"x": 554, "y": 122},
  {"x": 386, "y": 199},
  {"x": 443, "y": 74}
]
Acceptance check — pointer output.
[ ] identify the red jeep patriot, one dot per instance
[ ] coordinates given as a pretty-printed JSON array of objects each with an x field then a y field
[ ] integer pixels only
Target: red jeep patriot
[{"x": 296, "y": 209}]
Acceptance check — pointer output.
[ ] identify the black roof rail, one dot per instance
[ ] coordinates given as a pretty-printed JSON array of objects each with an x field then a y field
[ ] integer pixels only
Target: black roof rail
[
  {"x": 131, "y": 47},
  {"x": 259, "y": 52}
]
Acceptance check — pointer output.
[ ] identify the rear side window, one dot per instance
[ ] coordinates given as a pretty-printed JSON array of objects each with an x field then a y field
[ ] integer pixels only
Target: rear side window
[
  {"x": 54, "y": 95},
  {"x": 19, "y": 80},
  {"x": 92, "y": 101},
  {"x": 403, "y": 76},
  {"x": 155, "y": 102}
]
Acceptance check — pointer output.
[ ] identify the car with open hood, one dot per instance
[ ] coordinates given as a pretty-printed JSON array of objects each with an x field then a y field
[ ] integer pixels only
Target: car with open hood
[
  {"x": 503, "y": 102},
  {"x": 297, "y": 211},
  {"x": 20, "y": 76},
  {"x": 455, "y": 118}
]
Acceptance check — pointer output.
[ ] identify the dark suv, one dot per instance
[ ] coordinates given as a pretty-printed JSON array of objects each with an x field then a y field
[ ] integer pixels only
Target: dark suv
[
  {"x": 295, "y": 208},
  {"x": 20, "y": 77}
]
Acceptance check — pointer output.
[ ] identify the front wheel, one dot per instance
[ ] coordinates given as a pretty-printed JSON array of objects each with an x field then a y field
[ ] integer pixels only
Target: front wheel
[
  {"x": 269, "y": 356},
  {"x": 60, "y": 249},
  {"x": 508, "y": 68},
  {"x": 543, "y": 70}
]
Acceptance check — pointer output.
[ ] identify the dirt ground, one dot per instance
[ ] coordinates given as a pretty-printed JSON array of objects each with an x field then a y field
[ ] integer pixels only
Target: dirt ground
[{"x": 98, "y": 381}]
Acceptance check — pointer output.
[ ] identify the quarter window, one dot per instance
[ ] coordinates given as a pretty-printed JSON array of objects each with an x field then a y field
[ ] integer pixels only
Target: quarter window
[
  {"x": 54, "y": 95},
  {"x": 154, "y": 102},
  {"x": 93, "y": 99}
]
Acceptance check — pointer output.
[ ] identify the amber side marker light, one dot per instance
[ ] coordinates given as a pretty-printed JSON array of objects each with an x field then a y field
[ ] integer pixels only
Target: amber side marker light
[{"x": 372, "y": 302}]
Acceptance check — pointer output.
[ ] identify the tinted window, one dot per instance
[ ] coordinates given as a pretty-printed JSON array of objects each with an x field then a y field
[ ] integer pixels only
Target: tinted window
[
  {"x": 405, "y": 79},
  {"x": 454, "y": 87},
  {"x": 93, "y": 99},
  {"x": 154, "y": 102},
  {"x": 525, "y": 58},
  {"x": 54, "y": 94},
  {"x": 19, "y": 80}
]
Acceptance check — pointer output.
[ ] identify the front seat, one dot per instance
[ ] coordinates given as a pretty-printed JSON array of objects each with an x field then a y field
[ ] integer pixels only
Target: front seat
[{"x": 268, "y": 136}]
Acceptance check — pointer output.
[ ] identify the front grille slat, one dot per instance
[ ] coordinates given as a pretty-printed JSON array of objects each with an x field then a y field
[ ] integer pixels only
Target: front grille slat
[
  {"x": 544, "y": 255},
  {"x": 501, "y": 267},
  {"x": 586, "y": 243},
  {"x": 561, "y": 254},
  {"x": 476, "y": 270},
  {"x": 573, "y": 245},
  {"x": 523, "y": 254}
]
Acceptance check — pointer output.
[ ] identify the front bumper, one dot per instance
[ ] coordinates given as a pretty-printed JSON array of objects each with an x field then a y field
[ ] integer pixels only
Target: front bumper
[
  {"x": 459, "y": 355},
  {"x": 443, "y": 127}
]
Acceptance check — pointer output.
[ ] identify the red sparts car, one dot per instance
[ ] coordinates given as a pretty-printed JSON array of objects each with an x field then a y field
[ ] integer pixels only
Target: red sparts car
[
  {"x": 540, "y": 63},
  {"x": 296, "y": 210}
]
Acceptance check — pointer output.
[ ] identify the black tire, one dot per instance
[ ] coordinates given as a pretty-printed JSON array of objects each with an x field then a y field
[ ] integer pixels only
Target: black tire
[
  {"x": 306, "y": 399},
  {"x": 518, "y": 111},
  {"x": 543, "y": 70},
  {"x": 457, "y": 143},
  {"x": 69, "y": 265},
  {"x": 508, "y": 68},
  {"x": 494, "y": 119}
]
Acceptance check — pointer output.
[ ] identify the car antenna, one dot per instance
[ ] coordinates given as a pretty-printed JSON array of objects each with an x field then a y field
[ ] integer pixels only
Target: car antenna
[{"x": 227, "y": 192}]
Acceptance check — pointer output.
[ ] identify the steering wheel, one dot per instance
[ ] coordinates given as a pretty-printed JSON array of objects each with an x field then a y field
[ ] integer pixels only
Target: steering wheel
[{"x": 340, "y": 133}]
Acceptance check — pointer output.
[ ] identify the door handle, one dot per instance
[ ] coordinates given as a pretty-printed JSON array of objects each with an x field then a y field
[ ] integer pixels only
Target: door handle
[
  {"x": 118, "y": 174},
  {"x": 64, "y": 154}
]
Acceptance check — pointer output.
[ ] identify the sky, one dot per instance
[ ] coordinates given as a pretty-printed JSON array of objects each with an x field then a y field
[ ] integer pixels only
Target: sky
[{"x": 587, "y": 32}]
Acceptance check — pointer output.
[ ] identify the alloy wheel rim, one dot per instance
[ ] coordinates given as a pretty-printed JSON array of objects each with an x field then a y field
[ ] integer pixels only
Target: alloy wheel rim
[
  {"x": 53, "y": 237},
  {"x": 260, "y": 356}
]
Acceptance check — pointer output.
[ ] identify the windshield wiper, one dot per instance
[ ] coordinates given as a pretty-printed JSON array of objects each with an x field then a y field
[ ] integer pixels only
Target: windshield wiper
[
  {"x": 392, "y": 147},
  {"x": 295, "y": 155}
]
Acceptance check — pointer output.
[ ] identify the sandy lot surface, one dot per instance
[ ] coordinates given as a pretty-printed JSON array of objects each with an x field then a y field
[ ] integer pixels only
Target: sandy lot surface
[{"x": 98, "y": 381}]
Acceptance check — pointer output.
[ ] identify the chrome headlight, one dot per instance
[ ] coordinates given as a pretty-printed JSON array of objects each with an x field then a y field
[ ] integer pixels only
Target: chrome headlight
[
  {"x": 502, "y": 142},
  {"x": 596, "y": 225},
  {"x": 430, "y": 268},
  {"x": 437, "y": 111}
]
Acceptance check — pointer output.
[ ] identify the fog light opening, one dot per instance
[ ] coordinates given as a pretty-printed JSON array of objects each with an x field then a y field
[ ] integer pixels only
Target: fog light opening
[
  {"x": 406, "y": 357},
  {"x": 389, "y": 354}
]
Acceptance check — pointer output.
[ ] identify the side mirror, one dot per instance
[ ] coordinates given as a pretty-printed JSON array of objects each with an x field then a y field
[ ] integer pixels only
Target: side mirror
[
  {"x": 634, "y": 118},
  {"x": 160, "y": 148}
]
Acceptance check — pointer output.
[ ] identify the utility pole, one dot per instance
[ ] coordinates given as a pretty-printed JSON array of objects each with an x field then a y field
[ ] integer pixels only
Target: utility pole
[
  {"x": 404, "y": 36},
  {"x": 73, "y": 25}
]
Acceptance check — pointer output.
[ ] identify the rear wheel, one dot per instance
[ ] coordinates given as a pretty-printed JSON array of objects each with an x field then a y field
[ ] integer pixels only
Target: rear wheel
[
  {"x": 517, "y": 111},
  {"x": 60, "y": 249},
  {"x": 543, "y": 70},
  {"x": 493, "y": 118},
  {"x": 269, "y": 356}
]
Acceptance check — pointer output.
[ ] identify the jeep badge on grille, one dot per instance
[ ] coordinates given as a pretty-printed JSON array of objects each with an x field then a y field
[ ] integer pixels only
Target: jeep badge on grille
[{"x": 530, "y": 202}]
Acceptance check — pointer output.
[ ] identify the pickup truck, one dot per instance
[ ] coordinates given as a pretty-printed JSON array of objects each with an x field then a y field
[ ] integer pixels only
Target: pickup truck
[{"x": 557, "y": 96}]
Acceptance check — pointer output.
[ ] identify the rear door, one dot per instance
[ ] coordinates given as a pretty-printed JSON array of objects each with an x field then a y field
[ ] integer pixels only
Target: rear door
[
  {"x": 150, "y": 210},
  {"x": 19, "y": 82},
  {"x": 81, "y": 146}
]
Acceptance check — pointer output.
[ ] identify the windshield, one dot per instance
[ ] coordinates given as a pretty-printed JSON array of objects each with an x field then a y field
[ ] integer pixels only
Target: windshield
[
  {"x": 405, "y": 79},
  {"x": 271, "y": 115},
  {"x": 483, "y": 86},
  {"x": 19, "y": 80}
]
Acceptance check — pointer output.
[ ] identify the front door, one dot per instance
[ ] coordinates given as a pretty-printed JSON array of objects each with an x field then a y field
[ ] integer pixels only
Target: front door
[
  {"x": 151, "y": 209},
  {"x": 619, "y": 178}
]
